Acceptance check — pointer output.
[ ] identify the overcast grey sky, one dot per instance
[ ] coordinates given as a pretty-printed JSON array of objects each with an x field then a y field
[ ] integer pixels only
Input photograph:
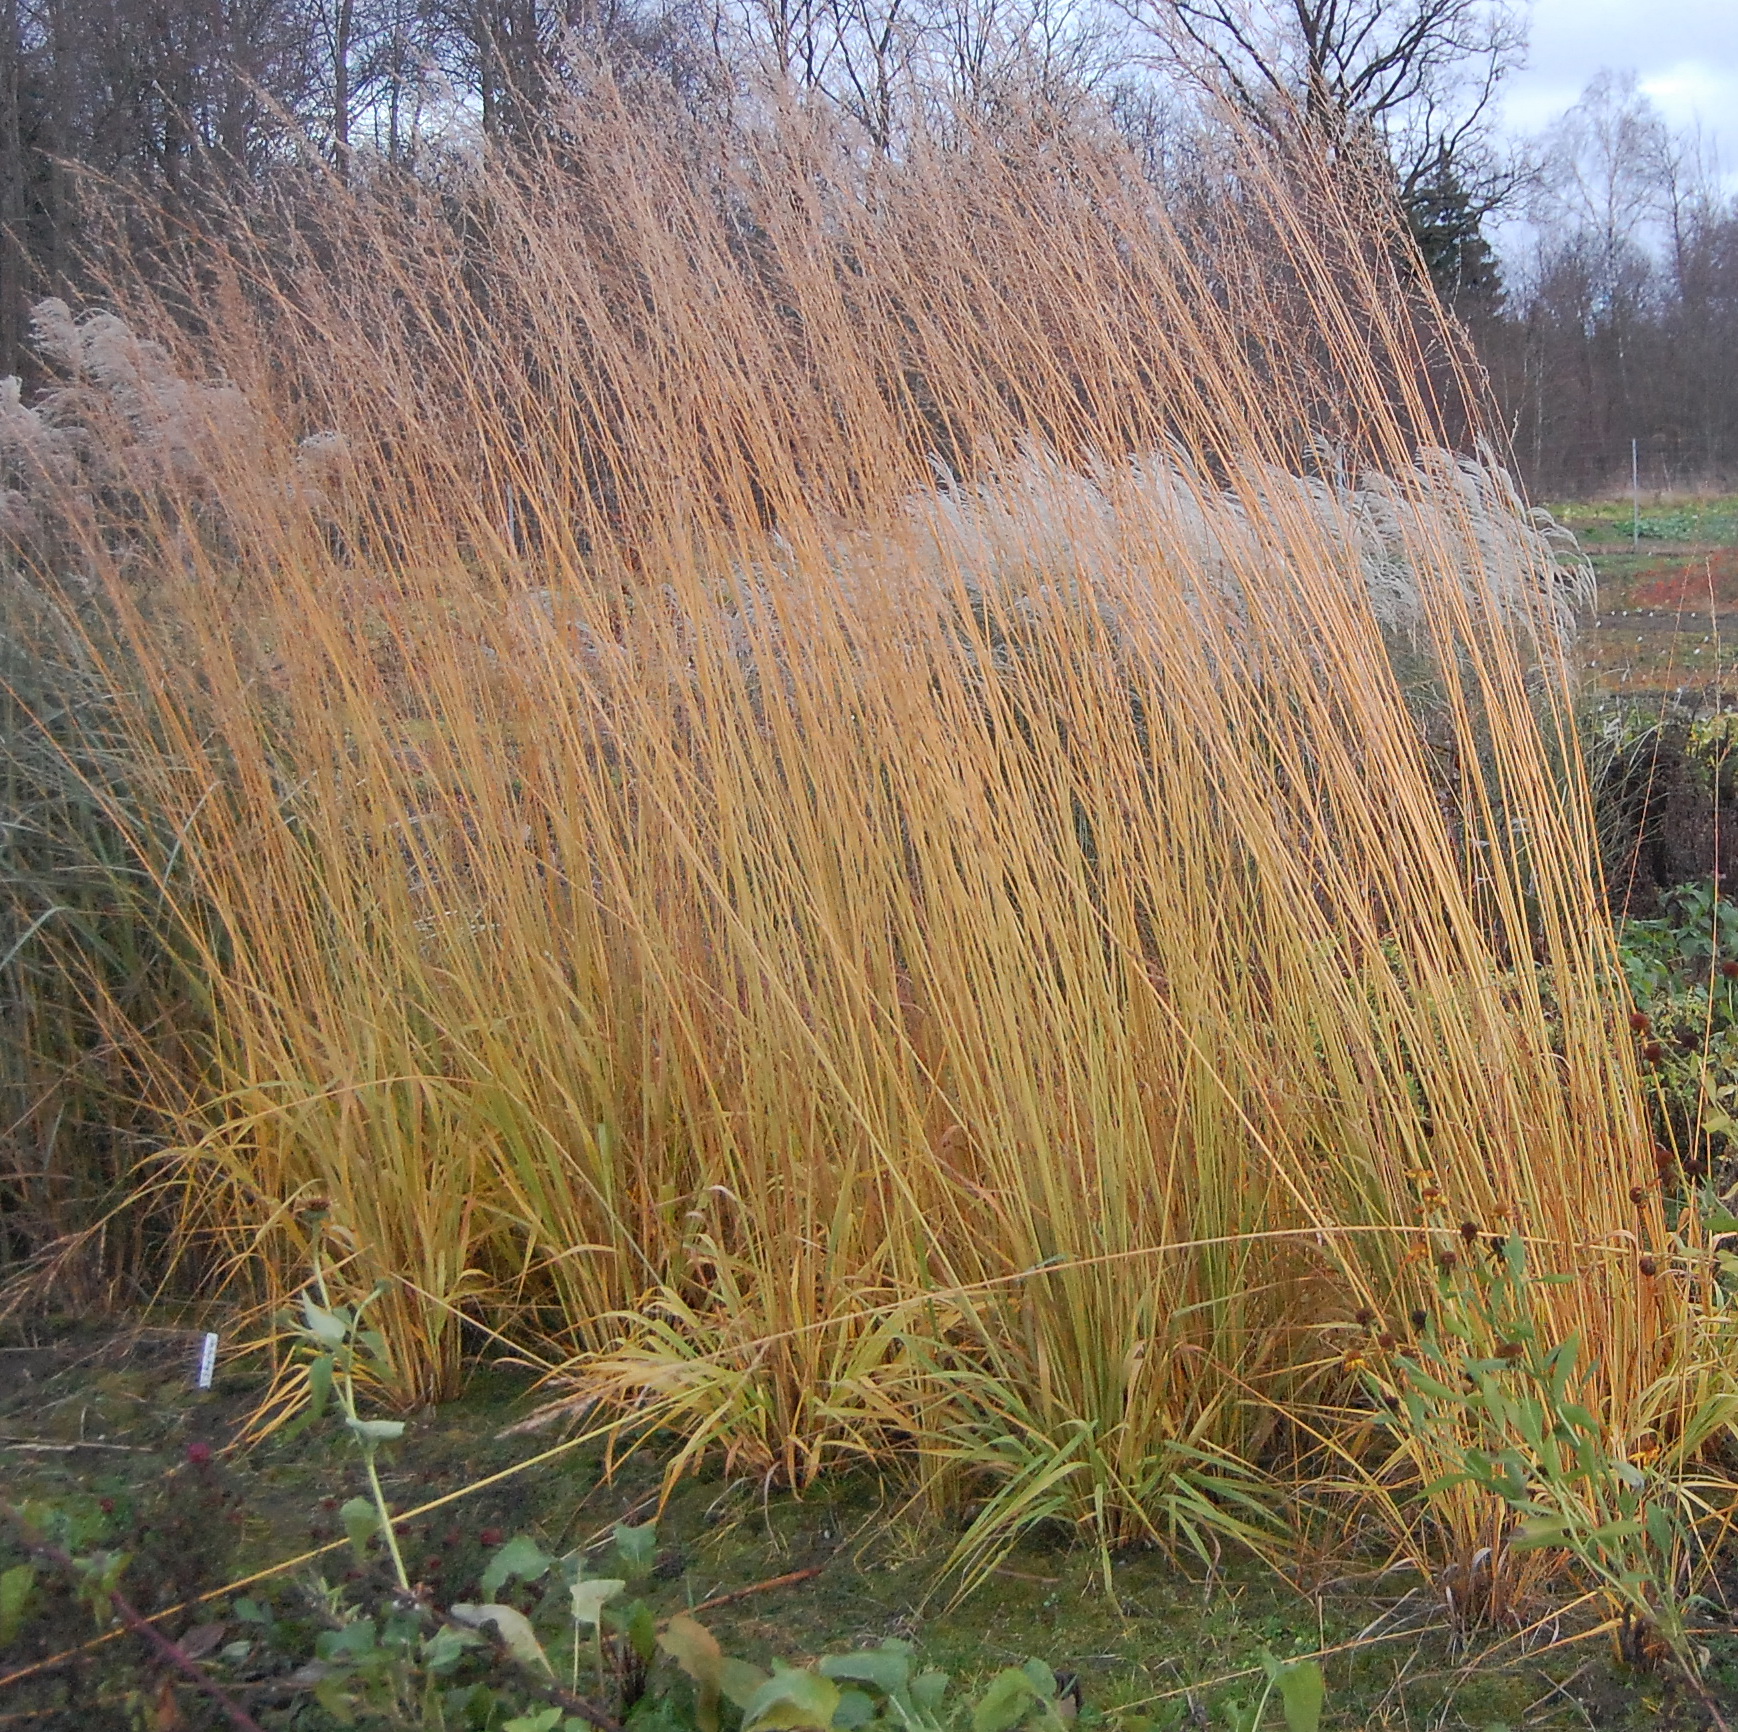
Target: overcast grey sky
[{"x": 1686, "y": 52}]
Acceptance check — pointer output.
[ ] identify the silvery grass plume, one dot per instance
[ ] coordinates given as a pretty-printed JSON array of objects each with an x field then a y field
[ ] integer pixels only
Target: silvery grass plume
[
  {"x": 119, "y": 416},
  {"x": 1141, "y": 549},
  {"x": 1023, "y": 532}
]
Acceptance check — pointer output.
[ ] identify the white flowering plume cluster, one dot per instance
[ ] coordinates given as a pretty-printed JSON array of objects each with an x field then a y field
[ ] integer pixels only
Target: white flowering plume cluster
[
  {"x": 1143, "y": 549},
  {"x": 1452, "y": 530},
  {"x": 119, "y": 420}
]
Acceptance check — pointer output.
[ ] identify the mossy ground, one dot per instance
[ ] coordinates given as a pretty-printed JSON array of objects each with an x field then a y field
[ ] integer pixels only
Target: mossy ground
[{"x": 108, "y": 1416}]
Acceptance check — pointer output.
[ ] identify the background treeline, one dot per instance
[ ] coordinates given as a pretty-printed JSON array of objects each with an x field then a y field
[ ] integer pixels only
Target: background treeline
[{"x": 1596, "y": 265}]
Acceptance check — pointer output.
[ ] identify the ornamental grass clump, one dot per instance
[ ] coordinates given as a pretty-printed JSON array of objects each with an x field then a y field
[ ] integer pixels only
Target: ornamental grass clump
[{"x": 885, "y": 806}]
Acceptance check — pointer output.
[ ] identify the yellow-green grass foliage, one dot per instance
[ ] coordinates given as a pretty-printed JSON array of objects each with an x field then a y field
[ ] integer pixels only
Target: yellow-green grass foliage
[{"x": 894, "y": 805}]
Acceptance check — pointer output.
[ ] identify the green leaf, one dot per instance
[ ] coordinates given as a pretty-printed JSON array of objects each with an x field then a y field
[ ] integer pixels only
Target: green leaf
[
  {"x": 1540, "y": 1531},
  {"x": 514, "y": 1629},
  {"x": 372, "y": 1432},
  {"x": 636, "y": 1547},
  {"x": 16, "y": 1588},
  {"x": 928, "y": 1689},
  {"x": 695, "y": 1649},
  {"x": 541, "y": 1720},
  {"x": 447, "y": 1646},
  {"x": 739, "y": 1681},
  {"x": 520, "y": 1559},
  {"x": 590, "y": 1593},
  {"x": 1661, "y": 1529},
  {"x": 325, "y": 1326},
  {"x": 856, "y": 1708},
  {"x": 319, "y": 1385},
  {"x": 1302, "y": 1691},
  {"x": 887, "y": 1668},
  {"x": 349, "y": 1642},
  {"x": 1005, "y": 1703},
  {"x": 1043, "y": 1680},
  {"x": 636, "y": 1623},
  {"x": 1425, "y": 1384},
  {"x": 789, "y": 1701},
  {"x": 361, "y": 1522}
]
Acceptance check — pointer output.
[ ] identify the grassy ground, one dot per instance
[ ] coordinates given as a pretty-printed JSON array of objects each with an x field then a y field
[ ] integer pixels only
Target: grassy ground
[
  {"x": 109, "y": 1418},
  {"x": 1667, "y": 617}
]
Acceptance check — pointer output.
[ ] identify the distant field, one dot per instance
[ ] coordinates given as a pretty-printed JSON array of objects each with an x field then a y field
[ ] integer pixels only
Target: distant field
[{"x": 1668, "y": 595}]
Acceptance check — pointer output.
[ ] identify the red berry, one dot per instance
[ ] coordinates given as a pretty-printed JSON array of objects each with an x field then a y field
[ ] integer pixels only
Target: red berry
[
  {"x": 490, "y": 1536},
  {"x": 1653, "y": 1052},
  {"x": 1640, "y": 1021},
  {"x": 199, "y": 1453}
]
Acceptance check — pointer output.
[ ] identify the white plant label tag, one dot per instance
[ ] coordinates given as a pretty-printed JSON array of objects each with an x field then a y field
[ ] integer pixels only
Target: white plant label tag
[{"x": 207, "y": 1360}]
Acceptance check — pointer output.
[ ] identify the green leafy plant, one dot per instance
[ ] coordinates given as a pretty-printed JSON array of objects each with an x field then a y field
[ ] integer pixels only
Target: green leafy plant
[
  {"x": 339, "y": 1344},
  {"x": 1500, "y": 1409}
]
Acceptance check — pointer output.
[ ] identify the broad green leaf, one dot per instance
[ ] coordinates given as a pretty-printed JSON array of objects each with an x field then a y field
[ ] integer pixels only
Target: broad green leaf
[
  {"x": 542, "y": 1720},
  {"x": 695, "y": 1649},
  {"x": 1007, "y": 1701},
  {"x": 376, "y": 1431},
  {"x": 16, "y": 1588},
  {"x": 789, "y": 1701},
  {"x": 590, "y": 1594},
  {"x": 887, "y": 1668},
  {"x": 346, "y": 1642},
  {"x": 928, "y": 1689},
  {"x": 361, "y": 1522},
  {"x": 520, "y": 1559},
  {"x": 1302, "y": 1691},
  {"x": 739, "y": 1681},
  {"x": 856, "y": 1708},
  {"x": 637, "y": 1548},
  {"x": 325, "y": 1326},
  {"x": 514, "y": 1629},
  {"x": 447, "y": 1646},
  {"x": 1043, "y": 1680}
]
